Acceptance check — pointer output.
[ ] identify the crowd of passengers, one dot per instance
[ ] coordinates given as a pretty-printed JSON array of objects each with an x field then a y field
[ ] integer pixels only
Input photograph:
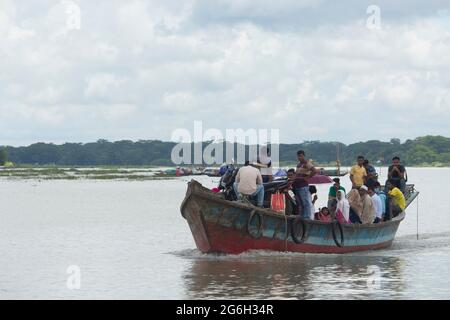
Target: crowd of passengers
[{"x": 365, "y": 203}]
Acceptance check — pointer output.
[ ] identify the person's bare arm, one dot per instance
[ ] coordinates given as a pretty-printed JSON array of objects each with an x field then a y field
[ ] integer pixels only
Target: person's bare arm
[
  {"x": 352, "y": 179},
  {"x": 401, "y": 174},
  {"x": 259, "y": 179},
  {"x": 315, "y": 199},
  {"x": 312, "y": 172},
  {"x": 390, "y": 173}
]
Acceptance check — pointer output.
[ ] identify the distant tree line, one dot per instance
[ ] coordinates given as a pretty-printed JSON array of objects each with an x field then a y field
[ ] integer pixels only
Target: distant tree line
[
  {"x": 3, "y": 156},
  {"x": 428, "y": 150}
]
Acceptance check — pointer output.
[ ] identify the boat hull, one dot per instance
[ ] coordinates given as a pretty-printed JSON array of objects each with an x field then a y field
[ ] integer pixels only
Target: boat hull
[{"x": 222, "y": 226}]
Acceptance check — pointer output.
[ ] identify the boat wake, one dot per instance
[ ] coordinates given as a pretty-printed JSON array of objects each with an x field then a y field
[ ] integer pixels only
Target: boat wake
[
  {"x": 252, "y": 254},
  {"x": 426, "y": 242},
  {"x": 407, "y": 244}
]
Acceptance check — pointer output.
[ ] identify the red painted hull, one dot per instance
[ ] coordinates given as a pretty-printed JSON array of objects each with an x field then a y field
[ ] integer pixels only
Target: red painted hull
[{"x": 235, "y": 242}]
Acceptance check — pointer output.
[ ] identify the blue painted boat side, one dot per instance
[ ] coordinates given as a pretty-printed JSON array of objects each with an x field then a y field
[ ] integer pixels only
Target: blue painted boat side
[{"x": 318, "y": 233}]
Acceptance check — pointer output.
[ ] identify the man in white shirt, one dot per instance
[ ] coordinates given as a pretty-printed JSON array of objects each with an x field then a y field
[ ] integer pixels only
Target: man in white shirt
[
  {"x": 249, "y": 182},
  {"x": 377, "y": 203}
]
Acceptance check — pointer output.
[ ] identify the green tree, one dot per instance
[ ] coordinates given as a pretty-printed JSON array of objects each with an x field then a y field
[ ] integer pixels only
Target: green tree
[
  {"x": 422, "y": 150},
  {"x": 3, "y": 156}
]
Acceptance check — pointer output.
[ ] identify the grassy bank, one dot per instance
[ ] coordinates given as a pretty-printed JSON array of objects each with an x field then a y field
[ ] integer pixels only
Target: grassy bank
[
  {"x": 88, "y": 173},
  {"x": 142, "y": 173}
]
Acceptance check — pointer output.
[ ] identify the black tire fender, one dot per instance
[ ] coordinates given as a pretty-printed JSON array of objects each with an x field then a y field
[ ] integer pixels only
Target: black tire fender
[
  {"x": 298, "y": 230},
  {"x": 336, "y": 225},
  {"x": 259, "y": 232}
]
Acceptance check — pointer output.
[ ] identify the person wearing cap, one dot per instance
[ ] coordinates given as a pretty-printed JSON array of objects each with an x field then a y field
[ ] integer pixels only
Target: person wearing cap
[
  {"x": 332, "y": 193},
  {"x": 368, "y": 213}
]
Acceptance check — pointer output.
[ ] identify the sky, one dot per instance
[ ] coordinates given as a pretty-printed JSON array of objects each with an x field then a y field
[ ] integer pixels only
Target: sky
[{"x": 79, "y": 70}]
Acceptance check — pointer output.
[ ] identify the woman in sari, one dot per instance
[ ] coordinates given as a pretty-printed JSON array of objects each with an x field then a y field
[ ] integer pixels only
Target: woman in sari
[
  {"x": 342, "y": 208},
  {"x": 356, "y": 206},
  {"x": 368, "y": 213}
]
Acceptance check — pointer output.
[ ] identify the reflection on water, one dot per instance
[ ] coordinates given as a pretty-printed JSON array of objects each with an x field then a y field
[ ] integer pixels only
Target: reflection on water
[{"x": 296, "y": 277}]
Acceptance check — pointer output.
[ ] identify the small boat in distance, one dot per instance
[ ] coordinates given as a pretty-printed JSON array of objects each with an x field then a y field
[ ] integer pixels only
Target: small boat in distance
[
  {"x": 335, "y": 172},
  {"x": 211, "y": 172},
  {"x": 222, "y": 226}
]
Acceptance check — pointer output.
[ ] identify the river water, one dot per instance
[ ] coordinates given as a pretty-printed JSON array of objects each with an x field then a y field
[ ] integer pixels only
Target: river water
[{"x": 86, "y": 239}]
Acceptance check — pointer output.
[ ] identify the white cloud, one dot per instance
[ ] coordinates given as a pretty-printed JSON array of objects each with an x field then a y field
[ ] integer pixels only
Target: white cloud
[
  {"x": 149, "y": 67},
  {"x": 102, "y": 84}
]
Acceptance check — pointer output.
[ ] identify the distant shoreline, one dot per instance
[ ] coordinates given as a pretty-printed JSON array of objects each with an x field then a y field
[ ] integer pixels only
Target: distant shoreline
[
  {"x": 426, "y": 151},
  {"x": 112, "y": 167},
  {"x": 104, "y": 173}
]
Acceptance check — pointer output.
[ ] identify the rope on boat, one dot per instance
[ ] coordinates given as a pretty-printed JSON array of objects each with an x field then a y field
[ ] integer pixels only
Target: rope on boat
[
  {"x": 285, "y": 232},
  {"x": 417, "y": 220}
]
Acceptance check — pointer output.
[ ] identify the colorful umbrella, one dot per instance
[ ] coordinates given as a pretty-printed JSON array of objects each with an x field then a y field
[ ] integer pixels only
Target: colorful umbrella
[{"x": 320, "y": 179}]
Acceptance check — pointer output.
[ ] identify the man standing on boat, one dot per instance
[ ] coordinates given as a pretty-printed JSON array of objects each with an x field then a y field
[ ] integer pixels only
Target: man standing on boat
[
  {"x": 300, "y": 185},
  {"x": 358, "y": 173},
  {"x": 372, "y": 175},
  {"x": 249, "y": 183},
  {"x": 397, "y": 174}
]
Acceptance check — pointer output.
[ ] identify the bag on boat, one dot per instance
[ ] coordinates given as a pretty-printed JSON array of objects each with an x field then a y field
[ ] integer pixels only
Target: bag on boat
[{"x": 277, "y": 202}]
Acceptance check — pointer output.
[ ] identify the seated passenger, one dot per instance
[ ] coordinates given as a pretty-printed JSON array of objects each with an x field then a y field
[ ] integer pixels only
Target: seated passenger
[
  {"x": 291, "y": 174},
  {"x": 249, "y": 183},
  {"x": 382, "y": 196},
  {"x": 324, "y": 215},
  {"x": 397, "y": 174},
  {"x": 377, "y": 205},
  {"x": 342, "y": 208},
  {"x": 397, "y": 202},
  {"x": 356, "y": 206},
  {"x": 368, "y": 210}
]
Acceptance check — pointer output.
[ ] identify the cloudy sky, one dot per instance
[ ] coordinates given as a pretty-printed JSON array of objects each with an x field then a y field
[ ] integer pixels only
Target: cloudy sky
[{"x": 141, "y": 69}]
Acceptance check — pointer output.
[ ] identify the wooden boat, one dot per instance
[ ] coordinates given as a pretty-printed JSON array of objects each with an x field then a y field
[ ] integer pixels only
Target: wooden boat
[
  {"x": 211, "y": 172},
  {"x": 223, "y": 226},
  {"x": 333, "y": 172}
]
